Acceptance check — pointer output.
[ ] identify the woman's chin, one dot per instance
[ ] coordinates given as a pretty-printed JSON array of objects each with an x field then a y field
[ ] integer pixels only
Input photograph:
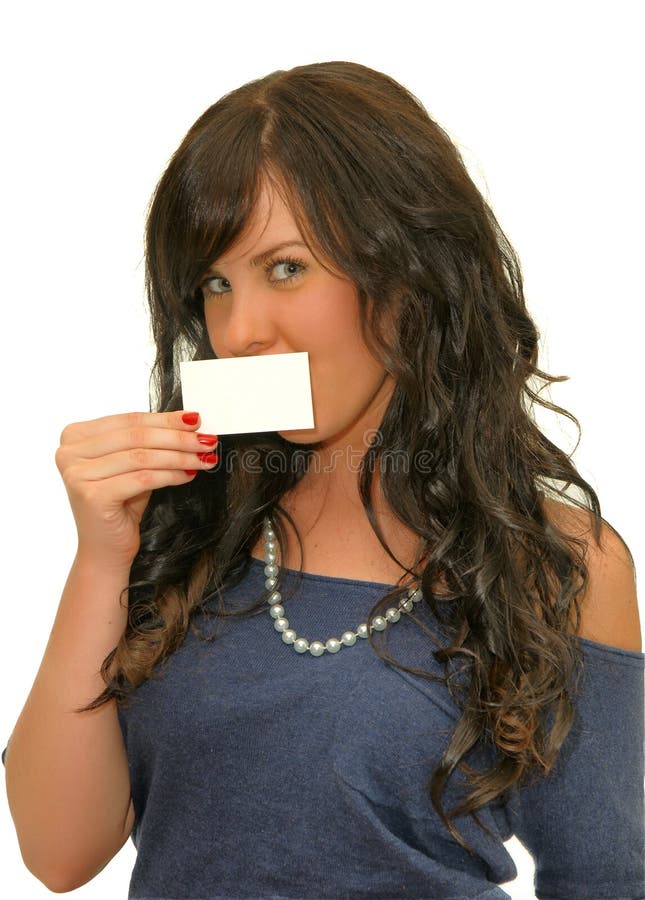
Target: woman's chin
[{"x": 300, "y": 435}]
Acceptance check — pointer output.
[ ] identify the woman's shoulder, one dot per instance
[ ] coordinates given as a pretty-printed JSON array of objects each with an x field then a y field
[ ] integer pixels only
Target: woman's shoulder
[{"x": 609, "y": 605}]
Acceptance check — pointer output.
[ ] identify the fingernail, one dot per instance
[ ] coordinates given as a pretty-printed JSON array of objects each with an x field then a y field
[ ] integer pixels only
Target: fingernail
[
  {"x": 190, "y": 418},
  {"x": 190, "y": 471},
  {"x": 209, "y": 440},
  {"x": 208, "y": 457}
]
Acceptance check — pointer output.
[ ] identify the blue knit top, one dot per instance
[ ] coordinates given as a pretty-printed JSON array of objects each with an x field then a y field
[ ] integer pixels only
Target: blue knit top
[{"x": 257, "y": 772}]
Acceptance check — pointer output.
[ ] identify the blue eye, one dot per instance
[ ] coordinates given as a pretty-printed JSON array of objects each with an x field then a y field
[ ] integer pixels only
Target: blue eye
[
  {"x": 289, "y": 268},
  {"x": 288, "y": 264},
  {"x": 211, "y": 285}
]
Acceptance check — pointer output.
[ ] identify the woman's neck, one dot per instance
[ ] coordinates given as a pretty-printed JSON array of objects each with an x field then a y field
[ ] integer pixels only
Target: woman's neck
[{"x": 335, "y": 529}]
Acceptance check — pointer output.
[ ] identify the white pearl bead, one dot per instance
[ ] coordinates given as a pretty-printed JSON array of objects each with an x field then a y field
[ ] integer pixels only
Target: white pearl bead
[
  {"x": 333, "y": 645},
  {"x": 407, "y": 605},
  {"x": 277, "y": 611},
  {"x": 348, "y": 638},
  {"x": 271, "y": 571},
  {"x": 417, "y": 596},
  {"x": 281, "y": 624},
  {"x": 271, "y": 557},
  {"x": 270, "y": 546},
  {"x": 316, "y": 648},
  {"x": 270, "y": 583},
  {"x": 289, "y": 636},
  {"x": 301, "y": 645},
  {"x": 379, "y": 623},
  {"x": 361, "y": 631},
  {"x": 275, "y": 597},
  {"x": 393, "y": 614}
]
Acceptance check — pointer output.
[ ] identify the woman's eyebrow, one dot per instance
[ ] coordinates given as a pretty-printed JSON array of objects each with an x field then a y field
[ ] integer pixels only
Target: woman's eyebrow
[{"x": 259, "y": 259}]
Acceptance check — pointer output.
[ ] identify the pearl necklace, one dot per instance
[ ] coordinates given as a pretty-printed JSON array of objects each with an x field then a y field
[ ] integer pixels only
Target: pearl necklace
[{"x": 331, "y": 645}]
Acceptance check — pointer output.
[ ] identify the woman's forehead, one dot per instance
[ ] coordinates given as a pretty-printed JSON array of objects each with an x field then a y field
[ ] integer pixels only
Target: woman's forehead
[{"x": 270, "y": 222}]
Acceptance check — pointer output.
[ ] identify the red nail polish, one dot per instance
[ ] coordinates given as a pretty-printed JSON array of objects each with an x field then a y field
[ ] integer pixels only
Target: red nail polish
[
  {"x": 190, "y": 418},
  {"x": 209, "y": 440},
  {"x": 190, "y": 471},
  {"x": 208, "y": 457}
]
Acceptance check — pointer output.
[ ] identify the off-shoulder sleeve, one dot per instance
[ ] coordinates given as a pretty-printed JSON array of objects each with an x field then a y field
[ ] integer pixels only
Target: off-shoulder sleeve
[{"x": 584, "y": 824}]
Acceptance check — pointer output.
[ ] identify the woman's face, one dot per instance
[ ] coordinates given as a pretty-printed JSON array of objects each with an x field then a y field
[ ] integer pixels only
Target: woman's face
[{"x": 289, "y": 303}]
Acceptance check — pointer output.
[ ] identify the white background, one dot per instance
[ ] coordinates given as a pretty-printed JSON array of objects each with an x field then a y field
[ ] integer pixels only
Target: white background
[{"x": 544, "y": 101}]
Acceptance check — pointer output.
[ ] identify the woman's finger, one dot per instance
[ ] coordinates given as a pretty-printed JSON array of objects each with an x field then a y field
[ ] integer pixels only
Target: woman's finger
[
  {"x": 181, "y": 420},
  {"x": 123, "y": 488},
  {"x": 135, "y": 460},
  {"x": 140, "y": 437}
]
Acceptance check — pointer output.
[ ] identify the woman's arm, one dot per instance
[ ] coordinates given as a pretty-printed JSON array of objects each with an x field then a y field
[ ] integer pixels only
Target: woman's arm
[
  {"x": 583, "y": 823},
  {"x": 67, "y": 773}
]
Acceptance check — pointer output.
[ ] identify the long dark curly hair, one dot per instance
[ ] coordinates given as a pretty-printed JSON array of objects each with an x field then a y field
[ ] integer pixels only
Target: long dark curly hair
[{"x": 379, "y": 188}]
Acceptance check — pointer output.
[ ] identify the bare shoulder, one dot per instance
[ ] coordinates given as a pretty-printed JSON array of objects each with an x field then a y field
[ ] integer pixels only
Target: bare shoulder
[{"x": 609, "y": 606}]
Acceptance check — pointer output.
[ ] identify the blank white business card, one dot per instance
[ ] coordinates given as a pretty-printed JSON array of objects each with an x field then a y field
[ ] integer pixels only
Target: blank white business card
[{"x": 252, "y": 393}]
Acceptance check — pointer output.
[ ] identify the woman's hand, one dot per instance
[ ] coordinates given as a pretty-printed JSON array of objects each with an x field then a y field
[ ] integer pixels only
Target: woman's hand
[{"x": 110, "y": 466}]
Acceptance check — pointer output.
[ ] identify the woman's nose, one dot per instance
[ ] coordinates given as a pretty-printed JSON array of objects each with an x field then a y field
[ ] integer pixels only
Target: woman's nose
[{"x": 248, "y": 327}]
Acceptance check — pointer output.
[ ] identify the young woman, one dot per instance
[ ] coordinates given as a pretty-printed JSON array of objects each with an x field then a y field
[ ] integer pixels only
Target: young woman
[{"x": 347, "y": 661}]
